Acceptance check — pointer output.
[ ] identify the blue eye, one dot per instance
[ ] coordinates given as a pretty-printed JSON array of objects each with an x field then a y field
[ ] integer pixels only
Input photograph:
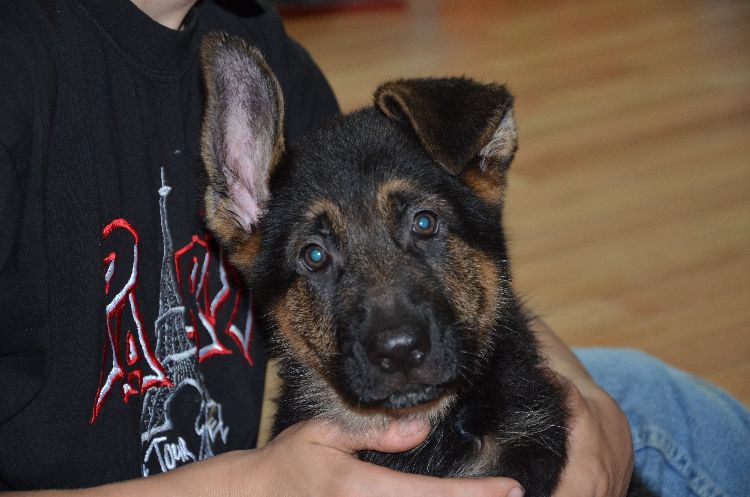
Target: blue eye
[
  {"x": 425, "y": 223},
  {"x": 314, "y": 257}
]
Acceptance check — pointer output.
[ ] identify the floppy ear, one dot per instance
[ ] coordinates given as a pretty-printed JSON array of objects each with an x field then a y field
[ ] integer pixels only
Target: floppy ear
[
  {"x": 460, "y": 123},
  {"x": 242, "y": 134}
]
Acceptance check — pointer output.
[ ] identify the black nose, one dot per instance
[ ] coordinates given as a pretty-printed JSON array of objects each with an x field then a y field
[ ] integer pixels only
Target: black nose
[{"x": 398, "y": 349}]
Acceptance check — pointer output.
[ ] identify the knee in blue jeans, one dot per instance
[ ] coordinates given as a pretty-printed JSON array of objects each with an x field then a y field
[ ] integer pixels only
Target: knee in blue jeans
[{"x": 690, "y": 437}]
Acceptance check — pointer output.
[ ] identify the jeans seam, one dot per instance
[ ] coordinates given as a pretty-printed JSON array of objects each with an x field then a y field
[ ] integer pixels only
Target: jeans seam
[{"x": 699, "y": 482}]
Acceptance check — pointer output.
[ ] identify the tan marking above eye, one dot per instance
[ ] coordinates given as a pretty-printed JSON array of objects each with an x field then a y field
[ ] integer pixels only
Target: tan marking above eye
[
  {"x": 383, "y": 199},
  {"x": 424, "y": 201},
  {"x": 327, "y": 208}
]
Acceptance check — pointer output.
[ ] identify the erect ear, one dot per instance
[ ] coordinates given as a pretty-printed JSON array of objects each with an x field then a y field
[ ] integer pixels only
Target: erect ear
[
  {"x": 460, "y": 122},
  {"x": 242, "y": 134}
]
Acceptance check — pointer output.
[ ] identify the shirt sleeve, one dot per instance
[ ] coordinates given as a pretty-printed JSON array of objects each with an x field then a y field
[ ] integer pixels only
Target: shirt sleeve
[
  {"x": 23, "y": 340},
  {"x": 23, "y": 326}
]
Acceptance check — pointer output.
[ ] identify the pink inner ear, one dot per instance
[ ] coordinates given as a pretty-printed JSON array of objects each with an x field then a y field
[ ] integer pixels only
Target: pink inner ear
[
  {"x": 247, "y": 162},
  {"x": 247, "y": 121}
]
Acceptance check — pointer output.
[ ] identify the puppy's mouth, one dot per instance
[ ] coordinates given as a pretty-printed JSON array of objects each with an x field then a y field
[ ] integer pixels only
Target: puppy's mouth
[
  {"x": 408, "y": 399},
  {"x": 413, "y": 397}
]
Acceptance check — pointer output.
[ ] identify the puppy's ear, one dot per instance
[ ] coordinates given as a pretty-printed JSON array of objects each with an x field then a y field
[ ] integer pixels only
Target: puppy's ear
[
  {"x": 461, "y": 123},
  {"x": 242, "y": 134}
]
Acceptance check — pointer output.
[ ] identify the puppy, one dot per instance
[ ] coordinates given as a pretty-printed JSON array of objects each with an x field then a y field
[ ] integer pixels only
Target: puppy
[{"x": 375, "y": 250}]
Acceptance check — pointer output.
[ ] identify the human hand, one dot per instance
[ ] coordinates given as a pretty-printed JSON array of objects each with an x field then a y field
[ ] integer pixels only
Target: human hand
[
  {"x": 317, "y": 459},
  {"x": 600, "y": 448}
]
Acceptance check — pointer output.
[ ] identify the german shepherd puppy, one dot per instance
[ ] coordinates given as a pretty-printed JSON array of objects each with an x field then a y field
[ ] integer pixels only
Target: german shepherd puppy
[{"x": 375, "y": 250}]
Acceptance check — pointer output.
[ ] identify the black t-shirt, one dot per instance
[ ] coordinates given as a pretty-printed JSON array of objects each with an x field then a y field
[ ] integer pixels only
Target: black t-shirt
[{"x": 127, "y": 345}]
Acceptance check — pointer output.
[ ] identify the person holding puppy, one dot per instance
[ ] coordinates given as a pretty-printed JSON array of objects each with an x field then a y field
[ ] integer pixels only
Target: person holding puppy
[{"x": 128, "y": 347}]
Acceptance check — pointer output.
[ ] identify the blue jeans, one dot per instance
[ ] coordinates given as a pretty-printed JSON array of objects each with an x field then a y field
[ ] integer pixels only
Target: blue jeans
[{"x": 691, "y": 439}]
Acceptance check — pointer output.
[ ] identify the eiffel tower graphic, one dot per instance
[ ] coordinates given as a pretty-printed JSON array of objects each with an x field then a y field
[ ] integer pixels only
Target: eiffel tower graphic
[{"x": 162, "y": 447}]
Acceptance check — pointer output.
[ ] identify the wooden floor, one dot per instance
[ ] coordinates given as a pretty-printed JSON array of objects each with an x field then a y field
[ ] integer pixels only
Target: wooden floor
[{"x": 629, "y": 203}]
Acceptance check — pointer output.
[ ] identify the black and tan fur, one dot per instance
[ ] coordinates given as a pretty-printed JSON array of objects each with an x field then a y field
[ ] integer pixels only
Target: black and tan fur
[{"x": 411, "y": 312}]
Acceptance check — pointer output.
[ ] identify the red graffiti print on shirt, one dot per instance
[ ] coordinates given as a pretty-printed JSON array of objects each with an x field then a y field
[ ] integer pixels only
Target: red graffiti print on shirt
[
  {"x": 211, "y": 292},
  {"x": 136, "y": 366}
]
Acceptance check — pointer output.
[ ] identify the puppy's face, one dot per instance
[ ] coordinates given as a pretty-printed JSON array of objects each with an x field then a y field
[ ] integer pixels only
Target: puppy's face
[
  {"x": 375, "y": 279},
  {"x": 373, "y": 244}
]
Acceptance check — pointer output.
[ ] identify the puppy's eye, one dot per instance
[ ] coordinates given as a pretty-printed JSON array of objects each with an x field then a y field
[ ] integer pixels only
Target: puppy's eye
[
  {"x": 314, "y": 257},
  {"x": 425, "y": 223}
]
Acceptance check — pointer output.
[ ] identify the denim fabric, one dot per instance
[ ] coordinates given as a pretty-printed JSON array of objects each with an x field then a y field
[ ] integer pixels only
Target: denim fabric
[{"x": 691, "y": 439}]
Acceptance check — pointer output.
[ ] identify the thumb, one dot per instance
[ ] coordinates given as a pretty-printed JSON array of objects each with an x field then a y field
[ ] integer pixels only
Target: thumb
[{"x": 400, "y": 435}]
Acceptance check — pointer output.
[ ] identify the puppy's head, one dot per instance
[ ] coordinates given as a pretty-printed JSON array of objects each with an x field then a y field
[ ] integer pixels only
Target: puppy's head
[{"x": 374, "y": 244}]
